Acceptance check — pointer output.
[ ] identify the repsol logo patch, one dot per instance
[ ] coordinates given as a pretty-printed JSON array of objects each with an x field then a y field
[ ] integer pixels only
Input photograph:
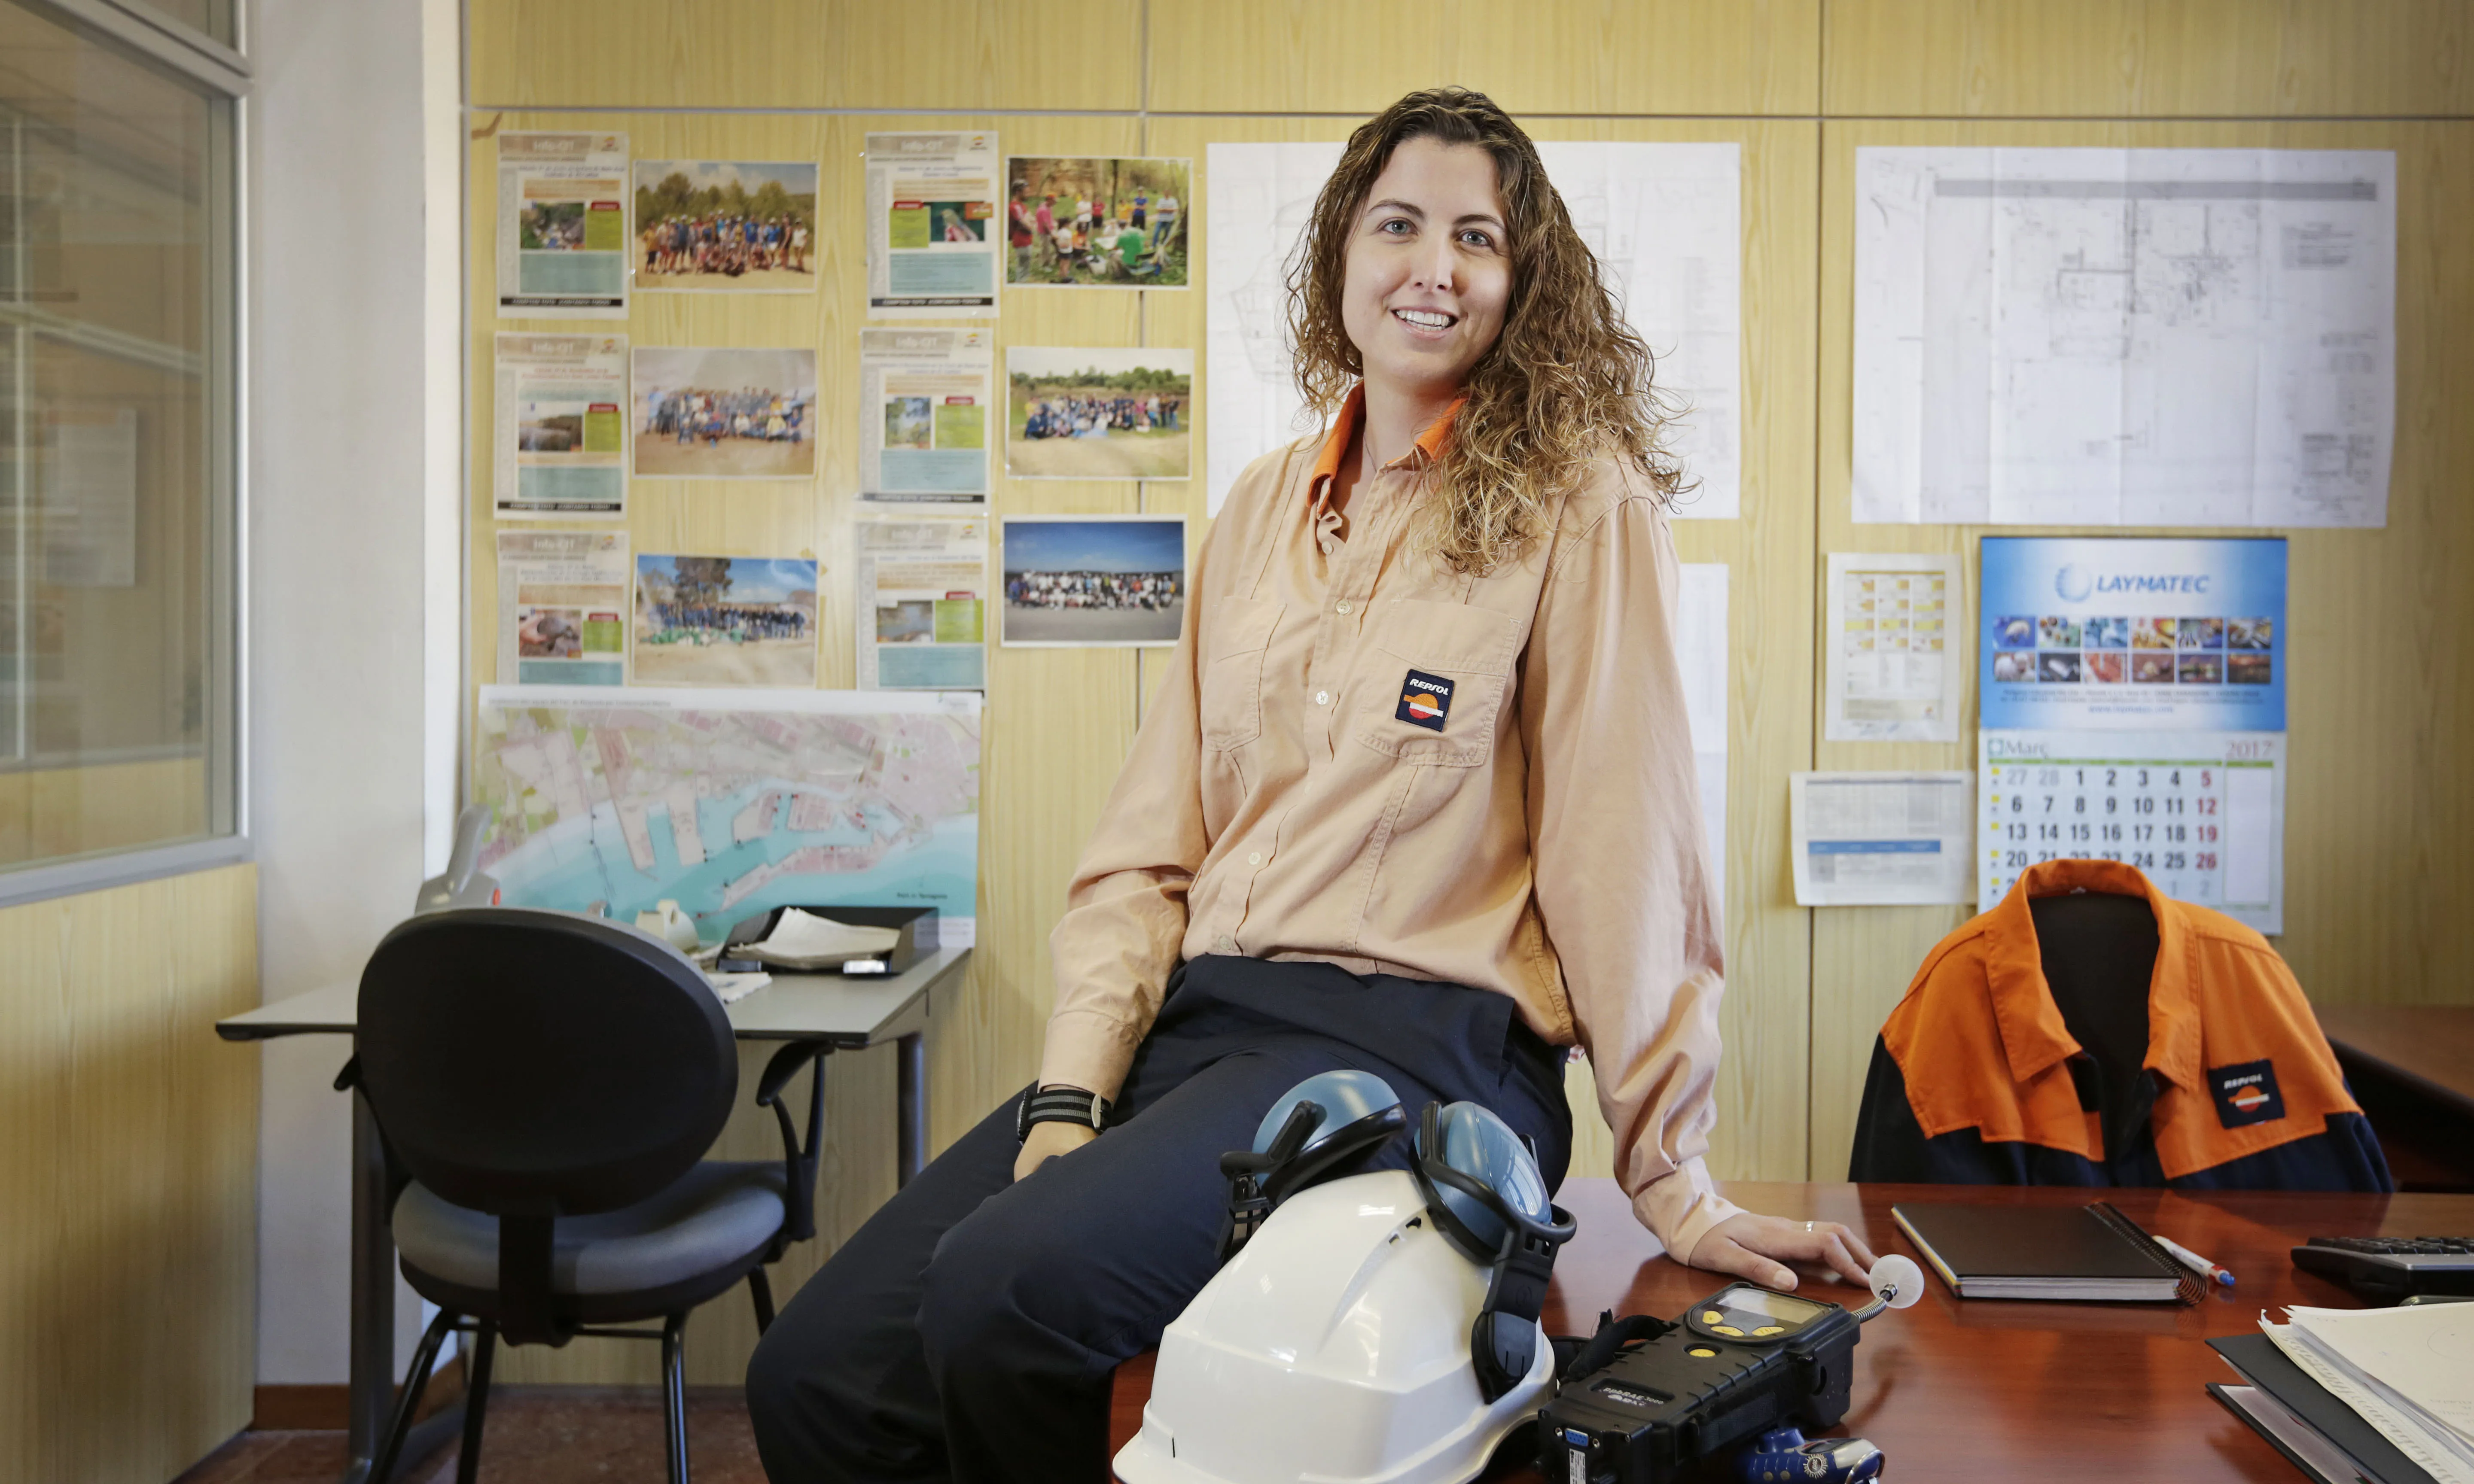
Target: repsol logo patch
[
  {"x": 1425, "y": 700},
  {"x": 2246, "y": 1093}
]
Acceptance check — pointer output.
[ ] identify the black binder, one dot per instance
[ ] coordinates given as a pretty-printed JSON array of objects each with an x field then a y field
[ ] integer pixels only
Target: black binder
[{"x": 2264, "y": 1366}]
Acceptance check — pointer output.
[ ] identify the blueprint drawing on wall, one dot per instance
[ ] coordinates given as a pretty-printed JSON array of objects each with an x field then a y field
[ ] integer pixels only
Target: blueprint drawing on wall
[
  {"x": 1663, "y": 219},
  {"x": 2124, "y": 337}
]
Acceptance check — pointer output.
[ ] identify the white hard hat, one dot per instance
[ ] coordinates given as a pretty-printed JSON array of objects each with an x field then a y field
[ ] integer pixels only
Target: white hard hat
[{"x": 1333, "y": 1348}]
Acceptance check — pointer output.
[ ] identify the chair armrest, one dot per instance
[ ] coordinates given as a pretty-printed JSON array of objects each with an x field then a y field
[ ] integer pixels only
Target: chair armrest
[{"x": 799, "y": 1164}]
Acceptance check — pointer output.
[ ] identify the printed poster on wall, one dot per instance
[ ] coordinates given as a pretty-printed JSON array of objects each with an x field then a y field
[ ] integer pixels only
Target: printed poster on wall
[
  {"x": 922, "y": 587},
  {"x": 2132, "y": 634},
  {"x": 561, "y": 427},
  {"x": 933, "y": 234},
  {"x": 924, "y": 400},
  {"x": 563, "y": 225},
  {"x": 563, "y": 607}
]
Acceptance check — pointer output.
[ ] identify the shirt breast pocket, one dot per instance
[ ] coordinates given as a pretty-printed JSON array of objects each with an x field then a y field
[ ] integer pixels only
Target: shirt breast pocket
[
  {"x": 1438, "y": 673},
  {"x": 1234, "y": 635}
]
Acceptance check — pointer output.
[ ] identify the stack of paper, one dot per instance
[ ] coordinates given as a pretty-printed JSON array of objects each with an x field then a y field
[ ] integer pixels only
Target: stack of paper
[
  {"x": 2408, "y": 1372},
  {"x": 804, "y": 940}
]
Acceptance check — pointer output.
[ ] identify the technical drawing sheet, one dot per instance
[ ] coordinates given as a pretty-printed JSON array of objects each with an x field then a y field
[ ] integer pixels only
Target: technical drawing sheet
[
  {"x": 1701, "y": 650},
  {"x": 2124, "y": 337},
  {"x": 1665, "y": 220}
]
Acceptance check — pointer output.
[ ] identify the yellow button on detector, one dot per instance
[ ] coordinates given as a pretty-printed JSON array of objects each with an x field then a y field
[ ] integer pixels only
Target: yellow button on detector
[
  {"x": 1728, "y": 1330},
  {"x": 1771, "y": 1330},
  {"x": 1710, "y": 1316},
  {"x": 1702, "y": 1353}
]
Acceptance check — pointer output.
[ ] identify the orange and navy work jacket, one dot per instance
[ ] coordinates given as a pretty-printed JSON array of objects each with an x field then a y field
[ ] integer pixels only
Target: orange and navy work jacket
[{"x": 1973, "y": 1079}]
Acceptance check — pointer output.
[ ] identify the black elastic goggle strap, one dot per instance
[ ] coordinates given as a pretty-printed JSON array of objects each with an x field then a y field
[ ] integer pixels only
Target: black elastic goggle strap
[{"x": 1503, "y": 1342}]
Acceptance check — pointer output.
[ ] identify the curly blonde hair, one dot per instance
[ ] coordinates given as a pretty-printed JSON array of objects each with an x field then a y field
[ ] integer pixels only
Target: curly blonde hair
[{"x": 1567, "y": 381}]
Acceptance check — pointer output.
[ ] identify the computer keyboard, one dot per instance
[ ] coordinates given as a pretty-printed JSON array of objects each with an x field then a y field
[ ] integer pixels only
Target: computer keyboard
[{"x": 2385, "y": 1269}]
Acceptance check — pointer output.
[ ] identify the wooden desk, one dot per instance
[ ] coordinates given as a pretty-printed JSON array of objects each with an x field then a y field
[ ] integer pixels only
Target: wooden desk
[
  {"x": 2411, "y": 1068},
  {"x": 1966, "y": 1392}
]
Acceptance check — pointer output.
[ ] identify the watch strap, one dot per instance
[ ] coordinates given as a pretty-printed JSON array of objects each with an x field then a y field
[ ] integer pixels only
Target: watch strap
[{"x": 1060, "y": 1105}]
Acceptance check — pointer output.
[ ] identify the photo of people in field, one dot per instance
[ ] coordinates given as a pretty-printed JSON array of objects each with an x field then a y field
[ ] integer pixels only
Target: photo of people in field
[
  {"x": 551, "y": 226},
  {"x": 725, "y": 621},
  {"x": 1097, "y": 222},
  {"x": 1099, "y": 414},
  {"x": 707, "y": 414},
  {"x": 1093, "y": 580},
  {"x": 746, "y": 227}
]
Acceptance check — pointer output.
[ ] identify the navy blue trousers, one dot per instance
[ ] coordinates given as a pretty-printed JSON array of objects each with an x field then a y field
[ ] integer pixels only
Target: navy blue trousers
[{"x": 967, "y": 1331}]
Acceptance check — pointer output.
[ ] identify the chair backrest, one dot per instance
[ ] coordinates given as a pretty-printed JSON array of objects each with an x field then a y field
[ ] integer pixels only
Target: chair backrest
[
  {"x": 2099, "y": 952},
  {"x": 542, "y": 1063}
]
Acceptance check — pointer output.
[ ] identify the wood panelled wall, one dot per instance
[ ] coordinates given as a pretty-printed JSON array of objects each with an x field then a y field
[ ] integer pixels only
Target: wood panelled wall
[
  {"x": 2381, "y": 626},
  {"x": 127, "y": 1153}
]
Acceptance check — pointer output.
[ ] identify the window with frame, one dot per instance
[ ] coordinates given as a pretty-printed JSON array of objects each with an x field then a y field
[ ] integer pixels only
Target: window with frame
[{"x": 119, "y": 590}]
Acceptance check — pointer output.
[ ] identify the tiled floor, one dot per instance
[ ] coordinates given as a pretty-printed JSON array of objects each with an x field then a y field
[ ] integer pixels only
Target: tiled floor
[{"x": 536, "y": 1434}]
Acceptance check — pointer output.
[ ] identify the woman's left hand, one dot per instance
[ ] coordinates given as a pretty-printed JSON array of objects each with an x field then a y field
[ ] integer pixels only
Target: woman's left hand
[{"x": 1758, "y": 1248}]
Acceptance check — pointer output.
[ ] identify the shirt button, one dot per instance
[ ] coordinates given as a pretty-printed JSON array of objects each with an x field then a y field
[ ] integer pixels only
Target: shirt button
[
  {"x": 1226, "y": 944},
  {"x": 1254, "y": 859},
  {"x": 1343, "y": 605},
  {"x": 1322, "y": 698}
]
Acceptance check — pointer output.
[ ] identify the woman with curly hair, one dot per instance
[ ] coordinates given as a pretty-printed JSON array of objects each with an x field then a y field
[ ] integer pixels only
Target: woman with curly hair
[{"x": 1417, "y": 797}]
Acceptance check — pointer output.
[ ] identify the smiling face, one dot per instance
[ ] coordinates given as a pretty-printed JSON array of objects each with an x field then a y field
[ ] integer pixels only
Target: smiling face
[{"x": 1429, "y": 271}]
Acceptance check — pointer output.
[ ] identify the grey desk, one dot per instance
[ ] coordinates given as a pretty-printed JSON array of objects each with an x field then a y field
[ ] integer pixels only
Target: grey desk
[{"x": 848, "y": 1012}]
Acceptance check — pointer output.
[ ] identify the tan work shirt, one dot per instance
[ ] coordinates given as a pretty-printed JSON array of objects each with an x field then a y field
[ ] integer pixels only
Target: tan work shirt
[{"x": 1361, "y": 758}]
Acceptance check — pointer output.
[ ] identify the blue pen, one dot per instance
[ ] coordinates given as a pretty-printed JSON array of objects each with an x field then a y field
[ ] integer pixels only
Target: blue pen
[{"x": 2194, "y": 1263}]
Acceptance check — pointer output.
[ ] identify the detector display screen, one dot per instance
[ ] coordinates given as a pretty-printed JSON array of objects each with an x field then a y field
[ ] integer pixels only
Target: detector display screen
[{"x": 1780, "y": 1307}]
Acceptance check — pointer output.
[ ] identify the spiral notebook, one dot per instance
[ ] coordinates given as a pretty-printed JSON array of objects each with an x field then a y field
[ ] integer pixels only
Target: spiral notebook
[{"x": 2085, "y": 1253}]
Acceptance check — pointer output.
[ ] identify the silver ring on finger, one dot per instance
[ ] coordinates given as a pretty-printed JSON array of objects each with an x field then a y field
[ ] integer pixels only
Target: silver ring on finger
[{"x": 1807, "y": 1228}]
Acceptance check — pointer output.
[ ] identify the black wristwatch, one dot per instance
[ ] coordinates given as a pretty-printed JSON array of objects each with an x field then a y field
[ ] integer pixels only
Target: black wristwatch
[{"x": 1058, "y": 1105}]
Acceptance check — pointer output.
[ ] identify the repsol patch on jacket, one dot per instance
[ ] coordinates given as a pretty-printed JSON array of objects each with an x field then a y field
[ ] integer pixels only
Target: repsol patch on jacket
[
  {"x": 1425, "y": 700},
  {"x": 2246, "y": 1093}
]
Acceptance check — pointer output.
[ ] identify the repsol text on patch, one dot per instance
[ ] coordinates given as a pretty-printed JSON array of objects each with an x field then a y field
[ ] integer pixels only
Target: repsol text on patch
[
  {"x": 2246, "y": 1093},
  {"x": 1425, "y": 700}
]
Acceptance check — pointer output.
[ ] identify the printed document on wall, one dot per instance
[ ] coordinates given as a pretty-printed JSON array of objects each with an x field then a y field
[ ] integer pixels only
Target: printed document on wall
[
  {"x": 1893, "y": 671},
  {"x": 2201, "y": 813},
  {"x": 932, "y": 230},
  {"x": 2133, "y": 634},
  {"x": 563, "y": 607},
  {"x": 922, "y": 591},
  {"x": 923, "y": 405},
  {"x": 1701, "y": 646},
  {"x": 1881, "y": 839},
  {"x": 731, "y": 803},
  {"x": 563, "y": 225},
  {"x": 2124, "y": 337},
  {"x": 561, "y": 427},
  {"x": 1665, "y": 219},
  {"x": 87, "y": 517}
]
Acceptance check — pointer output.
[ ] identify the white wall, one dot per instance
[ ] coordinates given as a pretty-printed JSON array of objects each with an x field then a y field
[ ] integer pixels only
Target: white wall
[{"x": 337, "y": 393}]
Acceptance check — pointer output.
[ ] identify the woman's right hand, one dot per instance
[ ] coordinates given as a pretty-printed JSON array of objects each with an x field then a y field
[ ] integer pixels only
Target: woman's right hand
[{"x": 1048, "y": 1140}]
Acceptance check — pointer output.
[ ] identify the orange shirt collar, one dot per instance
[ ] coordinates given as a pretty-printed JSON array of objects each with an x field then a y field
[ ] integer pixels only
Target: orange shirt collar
[
  {"x": 2032, "y": 1034},
  {"x": 1344, "y": 427}
]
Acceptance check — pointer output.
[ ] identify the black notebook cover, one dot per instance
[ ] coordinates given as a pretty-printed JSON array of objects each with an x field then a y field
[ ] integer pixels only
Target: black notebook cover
[
  {"x": 2066, "y": 1249},
  {"x": 2264, "y": 1366}
]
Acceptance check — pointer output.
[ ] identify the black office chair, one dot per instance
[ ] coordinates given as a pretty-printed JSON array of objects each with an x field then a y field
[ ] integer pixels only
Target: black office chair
[{"x": 547, "y": 1086}]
